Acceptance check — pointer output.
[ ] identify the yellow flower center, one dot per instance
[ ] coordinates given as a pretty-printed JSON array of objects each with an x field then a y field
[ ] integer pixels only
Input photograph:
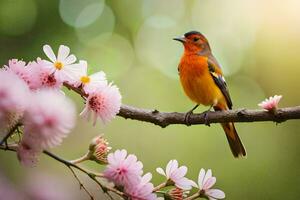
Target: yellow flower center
[
  {"x": 85, "y": 79},
  {"x": 58, "y": 65}
]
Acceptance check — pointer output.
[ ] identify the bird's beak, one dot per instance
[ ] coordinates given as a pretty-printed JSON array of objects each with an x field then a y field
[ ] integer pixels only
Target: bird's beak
[{"x": 180, "y": 39}]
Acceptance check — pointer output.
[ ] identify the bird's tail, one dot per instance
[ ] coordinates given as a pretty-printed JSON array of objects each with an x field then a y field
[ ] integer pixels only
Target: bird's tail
[{"x": 235, "y": 143}]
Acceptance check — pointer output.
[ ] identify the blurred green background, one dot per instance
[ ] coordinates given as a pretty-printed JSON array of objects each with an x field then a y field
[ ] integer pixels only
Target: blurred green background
[{"x": 256, "y": 41}]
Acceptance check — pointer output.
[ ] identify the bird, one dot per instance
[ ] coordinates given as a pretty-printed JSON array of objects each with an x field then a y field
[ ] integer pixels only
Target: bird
[{"x": 203, "y": 82}]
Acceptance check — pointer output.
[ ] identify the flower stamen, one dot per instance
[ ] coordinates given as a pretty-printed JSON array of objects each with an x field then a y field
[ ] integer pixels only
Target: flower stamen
[
  {"x": 58, "y": 65},
  {"x": 85, "y": 79}
]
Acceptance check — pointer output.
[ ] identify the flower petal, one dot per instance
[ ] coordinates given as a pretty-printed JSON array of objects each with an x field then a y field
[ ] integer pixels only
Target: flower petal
[
  {"x": 207, "y": 176},
  {"x": 179, "y": 173},
  {"x": 98, "y": 76},
  {"x": 194, "y": 184},
  {"x": 146, "y": 178},
  {"x": 201, "y": 178},
  {"x": 215, "y": 193},
  {"x": 169, "y": 165},
  {"x": 97, "y": 81},
  {"x": 160, "y": 171},
  {"x": 70, "y": 59},
  {"x": 209, "y": 183},
  {"x": 173, "y": 167},
  {"x": 184, "y": 183},
  {"x": 63, "y": 52},
  {"x": 49, "y": 52}
]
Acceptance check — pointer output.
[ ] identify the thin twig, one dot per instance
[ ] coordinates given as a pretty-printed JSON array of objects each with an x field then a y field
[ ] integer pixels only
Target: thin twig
[
  {"x": 194, "y": 196},
  {"x": 81, "y": 159},
  {"x": 89, "y": 173},
  {"x": 10, "y": 132},
  {"x": 164, "y": 119},
  {"x": 160, "y": 186},
  {"x": 81, "y": 185}
]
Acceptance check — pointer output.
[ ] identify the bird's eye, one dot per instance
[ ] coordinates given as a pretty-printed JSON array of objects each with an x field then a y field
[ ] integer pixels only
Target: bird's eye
[{"x": 195, "y": 39}]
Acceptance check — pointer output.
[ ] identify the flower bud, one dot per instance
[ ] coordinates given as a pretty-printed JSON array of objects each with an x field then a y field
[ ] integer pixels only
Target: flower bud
[
  {"x": 99, "y": 149},
  {"x": 176, "y": 194}
]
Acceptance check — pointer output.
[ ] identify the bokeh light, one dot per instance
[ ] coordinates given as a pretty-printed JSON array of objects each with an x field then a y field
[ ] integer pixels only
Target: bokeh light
[
  {"x": 174, "y": 9},
  {"x": 17, "y": 17},
  {"x": 154, "y": 45},
  {"x": 104, "y": 24},
  {"x": 79, "y": 13},
  {"x": 110, "y": 53},
  {"x": 230, "y": 30}
]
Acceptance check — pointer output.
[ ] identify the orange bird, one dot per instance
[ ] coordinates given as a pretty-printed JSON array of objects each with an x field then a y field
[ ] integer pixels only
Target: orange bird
[{"x": 202, "y": 80}]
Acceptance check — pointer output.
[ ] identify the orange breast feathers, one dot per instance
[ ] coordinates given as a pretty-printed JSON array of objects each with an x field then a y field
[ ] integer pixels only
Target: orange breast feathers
[{"x": 197, "y": 81}]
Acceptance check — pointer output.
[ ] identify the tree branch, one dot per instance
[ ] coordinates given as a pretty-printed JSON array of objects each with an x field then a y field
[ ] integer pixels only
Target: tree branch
[
  {"x": 10, "y": 132},
  {"x": 164, "y": 119}
]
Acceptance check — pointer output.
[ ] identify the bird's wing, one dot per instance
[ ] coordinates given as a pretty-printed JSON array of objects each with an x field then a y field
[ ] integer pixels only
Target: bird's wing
[{"x": 216, "y": 73}]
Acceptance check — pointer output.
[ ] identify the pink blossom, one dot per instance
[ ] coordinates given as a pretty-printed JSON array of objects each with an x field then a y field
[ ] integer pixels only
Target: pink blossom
[
  {"x": 123, "y": 170},
  {"x": 18, "y": 67},
  {"x": 27, "y": 155},
  {"x": 89, "y": 83},
  {"x": 41, "y": 76},
  {"x": 143, "y": 190},
  {"x": 104, "y": 103},
  {"x": 270, "y": 103},
  {"x": 14, "y": 97},
  {"x": 205, "y": 182},
  {"x": 176, "y": 175},
  {"x": 48, "y": 119},
  {"x": 63, "y": 65},
  {"x": 14, "y": 93}
]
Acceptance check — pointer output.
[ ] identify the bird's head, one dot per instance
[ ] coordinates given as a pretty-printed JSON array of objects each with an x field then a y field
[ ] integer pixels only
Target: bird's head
[{"x": 194, "y": 42}]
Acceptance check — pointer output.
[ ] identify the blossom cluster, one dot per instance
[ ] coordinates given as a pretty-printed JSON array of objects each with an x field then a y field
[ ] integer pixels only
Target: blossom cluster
[
  {"x": 271, "y": 103},
  {"x": 30, "y": 94},
  {"x": 126, "y": 172}
]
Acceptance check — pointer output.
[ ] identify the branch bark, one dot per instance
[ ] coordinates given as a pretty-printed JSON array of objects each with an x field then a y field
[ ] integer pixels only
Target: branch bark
[{"x": 164, "y": 119}]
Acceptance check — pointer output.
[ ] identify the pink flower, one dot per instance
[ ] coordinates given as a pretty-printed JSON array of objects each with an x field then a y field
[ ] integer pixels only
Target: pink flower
[
  {"x": 176, "y": 175},
  {"x": 14, "y": 93},
  {"x": 14, "y": 97},
  {"x": 205, "y": 182},
  {"x": 123, "y": 170},
  {"x": 103, "y": 103},
  {"x": 271, "y": 103},
  {"x": 92, "y": 82},
  {"x": 143, "y": 190},
  {"x": 27, "y": 155},
  {"x": 63, "y": 65},
  {"x": 48, "y": 119},
  {"x": 41, "y": 76},
  {"x": 18, "y": 67}
]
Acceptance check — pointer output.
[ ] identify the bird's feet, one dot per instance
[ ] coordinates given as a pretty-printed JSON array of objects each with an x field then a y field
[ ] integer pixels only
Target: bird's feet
[
  {"x": 205, "y": 113},
  {"x": 188, "y": 116},
  {"x": 206, "y": 122}
]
